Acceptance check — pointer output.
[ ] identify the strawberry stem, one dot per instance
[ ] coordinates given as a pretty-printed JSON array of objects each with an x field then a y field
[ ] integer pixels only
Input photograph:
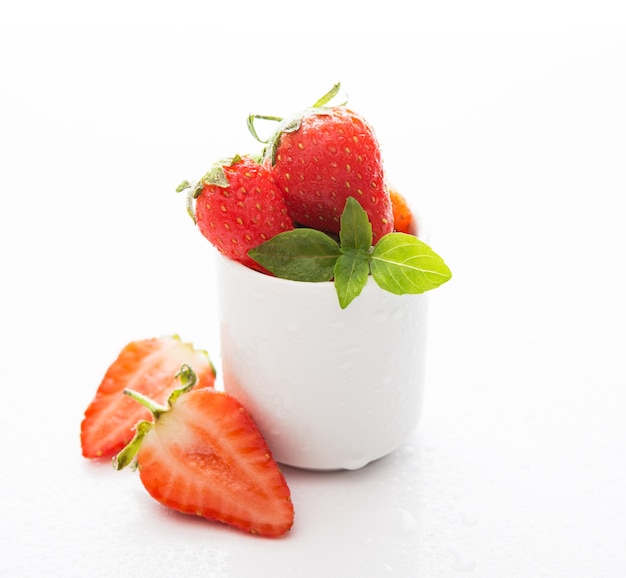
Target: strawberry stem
[
  {"x": 156, "y": 409},
  {"x": 252, "y": 128},
  {"x": 187, "y": 378},
  {"x": 332, "y": 93},
  {"x": 295, "y": 124}
]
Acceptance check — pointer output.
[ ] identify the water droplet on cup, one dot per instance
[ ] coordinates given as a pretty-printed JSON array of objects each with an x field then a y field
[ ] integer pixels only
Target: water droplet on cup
[{"x": 381, "y": 316}]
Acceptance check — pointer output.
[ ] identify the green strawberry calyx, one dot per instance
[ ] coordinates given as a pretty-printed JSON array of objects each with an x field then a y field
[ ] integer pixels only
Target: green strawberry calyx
[
  {"x": 399, "y": 263},
  {"x": 215, "y": 176},
  {"x": 291, "y": 123},
  {"x": 126, "y": 456}
]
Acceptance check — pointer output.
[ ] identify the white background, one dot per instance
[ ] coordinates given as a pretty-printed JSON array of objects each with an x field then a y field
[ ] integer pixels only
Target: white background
[{"x": 506, "y": 128}]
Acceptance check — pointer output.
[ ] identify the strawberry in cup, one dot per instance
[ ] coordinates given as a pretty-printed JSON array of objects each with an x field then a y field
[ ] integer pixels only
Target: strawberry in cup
[{"x": 322, "y": 305}]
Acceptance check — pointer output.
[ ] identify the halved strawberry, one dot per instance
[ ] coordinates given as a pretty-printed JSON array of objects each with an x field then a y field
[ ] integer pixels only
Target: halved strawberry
[
  {"x": 147, "y": 366},
  {"x": 204, "y": 455}
]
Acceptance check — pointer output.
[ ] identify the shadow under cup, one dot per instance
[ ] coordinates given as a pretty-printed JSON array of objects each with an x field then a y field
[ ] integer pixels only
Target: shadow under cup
[{"x": 329, "y": 388}]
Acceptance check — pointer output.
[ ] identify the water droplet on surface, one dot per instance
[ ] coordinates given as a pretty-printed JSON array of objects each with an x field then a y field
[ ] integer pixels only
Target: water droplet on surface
[
  {"x": 469, "y": 517},
  {"x": 464, "y": 560},
  {"x": 409, "y": 523}
]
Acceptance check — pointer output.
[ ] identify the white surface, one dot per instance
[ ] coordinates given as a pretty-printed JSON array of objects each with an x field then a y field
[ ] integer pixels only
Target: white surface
[
  {"x": 330, "y": 388},
  {"x": 506, "y": 125}
]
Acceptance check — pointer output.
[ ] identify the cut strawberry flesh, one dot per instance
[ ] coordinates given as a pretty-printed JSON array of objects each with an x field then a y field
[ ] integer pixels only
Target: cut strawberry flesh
[
  {"x": 207, "y": 457},
  {"x": 149, "y": 367}
]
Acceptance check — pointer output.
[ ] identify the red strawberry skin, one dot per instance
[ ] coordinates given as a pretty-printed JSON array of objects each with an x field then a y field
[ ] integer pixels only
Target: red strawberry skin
[
  {"x": 148, "y": 366},
  {"x": 244, "y": 214},
  {"x": 333, "y": 155},
  {"x": 205, "y": 456}
]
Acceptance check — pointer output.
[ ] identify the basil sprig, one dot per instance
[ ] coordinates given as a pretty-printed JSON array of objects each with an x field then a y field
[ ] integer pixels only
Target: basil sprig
[{"x": 399, "y": 263}]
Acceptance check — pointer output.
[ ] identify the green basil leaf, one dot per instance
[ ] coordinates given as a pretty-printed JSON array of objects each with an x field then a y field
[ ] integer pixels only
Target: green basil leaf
[
  {"x": 351, "y": 273},
  {"x": 356, "y": 229},
  {"x": 401, "y": 263},
  {"x": 299, "y": 255}
]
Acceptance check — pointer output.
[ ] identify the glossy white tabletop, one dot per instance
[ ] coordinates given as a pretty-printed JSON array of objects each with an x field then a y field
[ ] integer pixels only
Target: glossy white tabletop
[{"x": 509, "y": 138}]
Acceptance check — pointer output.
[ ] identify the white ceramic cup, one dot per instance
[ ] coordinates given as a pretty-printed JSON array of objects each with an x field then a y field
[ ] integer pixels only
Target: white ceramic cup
[{"x": 329, "y": 388}]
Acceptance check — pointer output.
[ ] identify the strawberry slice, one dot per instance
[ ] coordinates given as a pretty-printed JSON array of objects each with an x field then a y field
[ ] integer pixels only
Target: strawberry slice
[
  {"x": 203, "y": 454},
  {"x": 147, "y": 366}
]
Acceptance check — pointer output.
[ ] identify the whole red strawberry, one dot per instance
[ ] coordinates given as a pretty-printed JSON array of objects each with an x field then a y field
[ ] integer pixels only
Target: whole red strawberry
[
  {"x": 203, "y": 455},
  {"x": 321, "y": 158},
  {"x": 402, "y": 216},
  {"x": 238, "y": 206}
]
